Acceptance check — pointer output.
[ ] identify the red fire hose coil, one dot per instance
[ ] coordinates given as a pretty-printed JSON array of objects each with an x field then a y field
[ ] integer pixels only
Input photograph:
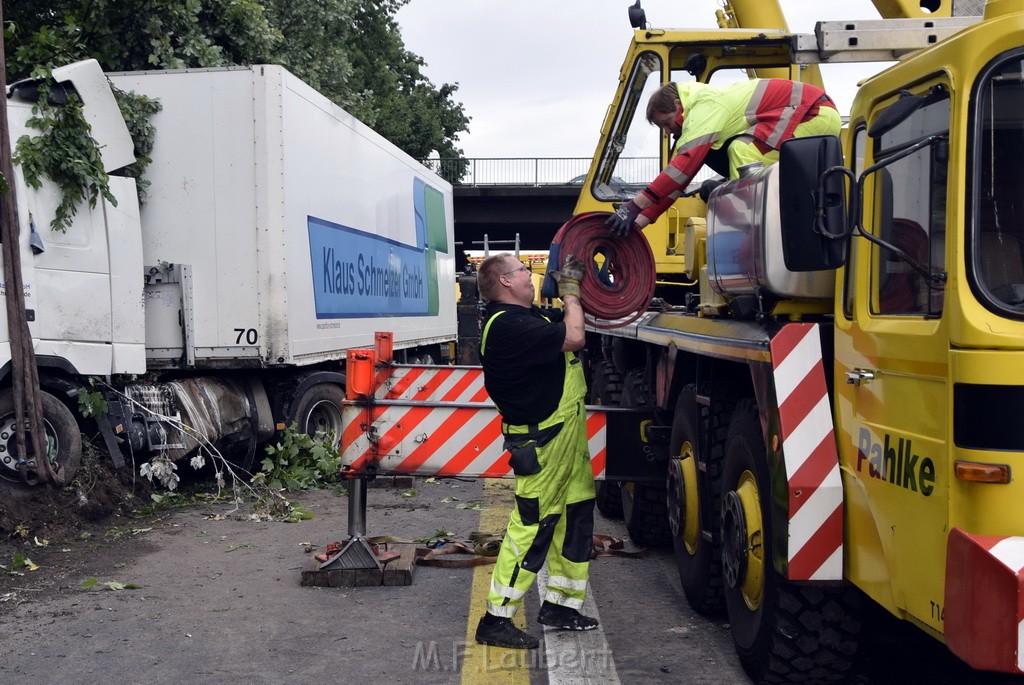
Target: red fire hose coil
[{"x": 619, "y": 287}]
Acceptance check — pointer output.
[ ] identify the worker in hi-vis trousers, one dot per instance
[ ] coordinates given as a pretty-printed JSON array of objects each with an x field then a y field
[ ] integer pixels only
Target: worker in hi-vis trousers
[
  {"x": 532, "y": 373},
  {"x": 725, "y": 127}
]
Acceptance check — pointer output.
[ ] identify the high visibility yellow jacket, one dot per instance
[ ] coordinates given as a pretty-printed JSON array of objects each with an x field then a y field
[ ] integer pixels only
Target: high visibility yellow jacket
[{"x": 766, "y": 111}]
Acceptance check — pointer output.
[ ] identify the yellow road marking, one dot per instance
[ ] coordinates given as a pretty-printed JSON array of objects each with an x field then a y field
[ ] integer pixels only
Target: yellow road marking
[{"x": 483, "y": 664}]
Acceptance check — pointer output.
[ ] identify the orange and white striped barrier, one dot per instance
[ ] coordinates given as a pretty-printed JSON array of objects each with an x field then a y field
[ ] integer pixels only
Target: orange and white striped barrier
[{"x": 436, "y": 421}]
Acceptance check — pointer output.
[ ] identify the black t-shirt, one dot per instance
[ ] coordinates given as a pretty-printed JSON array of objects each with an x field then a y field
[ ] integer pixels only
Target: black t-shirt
[{"x": 524, "y": 366}]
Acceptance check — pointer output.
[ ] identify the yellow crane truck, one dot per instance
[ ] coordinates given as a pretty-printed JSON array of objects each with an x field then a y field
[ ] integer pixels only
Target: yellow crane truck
[{"x": 836, "y": 346}]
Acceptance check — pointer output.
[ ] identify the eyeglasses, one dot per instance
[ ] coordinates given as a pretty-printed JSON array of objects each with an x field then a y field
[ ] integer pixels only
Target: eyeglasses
[{"x": 519, "y": 268}]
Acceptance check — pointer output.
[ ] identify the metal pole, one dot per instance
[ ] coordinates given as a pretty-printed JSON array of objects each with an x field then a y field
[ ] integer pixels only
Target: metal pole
[{"x": 357, "y": 507}]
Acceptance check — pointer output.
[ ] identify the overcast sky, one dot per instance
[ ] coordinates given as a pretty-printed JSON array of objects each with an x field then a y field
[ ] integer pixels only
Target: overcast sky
[{"x": 536, "y": 76}]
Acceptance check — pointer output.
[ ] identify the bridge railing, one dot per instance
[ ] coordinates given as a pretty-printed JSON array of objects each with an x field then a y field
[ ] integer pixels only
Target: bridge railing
[{"x": 537, "y": 171}]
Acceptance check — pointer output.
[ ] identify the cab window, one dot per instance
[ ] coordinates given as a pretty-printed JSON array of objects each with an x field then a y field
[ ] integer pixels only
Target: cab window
[
  {"x": 996, "y": 237},
  {"x": 629, "y": 159},
  {"x": 909, "y": 214}
]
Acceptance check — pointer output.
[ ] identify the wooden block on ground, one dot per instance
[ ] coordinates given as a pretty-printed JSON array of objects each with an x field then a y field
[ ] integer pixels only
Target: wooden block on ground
[
  {"x": 399, "y": 571},
  {"x": 311, "y": 577},
  {"x": 358, "y": 577}
]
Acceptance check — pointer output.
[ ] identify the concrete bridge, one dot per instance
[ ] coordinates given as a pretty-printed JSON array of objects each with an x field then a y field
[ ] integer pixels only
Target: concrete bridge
[{"x": 532, "y": 197}]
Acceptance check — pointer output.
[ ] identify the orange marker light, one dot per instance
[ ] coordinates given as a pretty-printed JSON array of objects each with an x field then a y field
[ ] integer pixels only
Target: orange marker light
[{"x": 981, "y": 473}]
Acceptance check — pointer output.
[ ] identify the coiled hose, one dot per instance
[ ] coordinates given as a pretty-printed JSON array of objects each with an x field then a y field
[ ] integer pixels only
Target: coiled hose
[{"x": 619, "y": 287}]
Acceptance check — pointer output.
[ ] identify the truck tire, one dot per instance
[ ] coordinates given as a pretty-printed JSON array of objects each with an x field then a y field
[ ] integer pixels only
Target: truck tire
[
  {"x": 644, "y": 506},
  {"x": 609, "y": 499},
  {"x": 606, "y": 390},
  {"x": 698, "y": 560},
  {"x": 645, "y": 513},
  {"x": 318, "y": 409},
  {"x": 782, "y": 632},
  {"x": 63, "y": 440},
  {"x": 606, "y": 385}
]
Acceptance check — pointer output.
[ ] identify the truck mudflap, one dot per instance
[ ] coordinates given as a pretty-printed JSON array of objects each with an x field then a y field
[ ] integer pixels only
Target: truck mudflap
[
  {"x": 439, "y": 421},
  {"x": 984, "y": 612}
]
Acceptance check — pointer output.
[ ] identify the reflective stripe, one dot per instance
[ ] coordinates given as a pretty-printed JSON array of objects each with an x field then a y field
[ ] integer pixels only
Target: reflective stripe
[
  {"x": 796, "y": 96},
  {"x": 676, "y": 175},
  {"x": 507, "y": 611},
  {"x": 643, "y": 200},
  {"x": 755, "y": 102},
  {"x": 509, "y": 592},
  {"x": 562, "y": 600},
  {"x": 699, "y": 141},
  {"x": 567, "y": 583},
  {"x": 487, "y": 327}
]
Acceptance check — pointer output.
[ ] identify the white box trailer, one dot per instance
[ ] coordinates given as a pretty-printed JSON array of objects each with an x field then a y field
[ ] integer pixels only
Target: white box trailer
[
  {"x": 299, "y": 230},
  {"x": 277, "y": 233}
]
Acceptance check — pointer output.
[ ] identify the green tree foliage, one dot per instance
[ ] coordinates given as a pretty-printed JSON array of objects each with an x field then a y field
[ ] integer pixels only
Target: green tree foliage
[{"x": 349, "y": 50}]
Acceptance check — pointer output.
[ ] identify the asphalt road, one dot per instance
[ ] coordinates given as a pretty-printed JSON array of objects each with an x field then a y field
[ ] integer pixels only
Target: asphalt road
[{"x": 219, "y": 600}]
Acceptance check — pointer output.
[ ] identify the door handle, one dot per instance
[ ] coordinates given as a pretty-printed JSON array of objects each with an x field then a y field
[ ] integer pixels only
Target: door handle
[{"x": 858, "y": 376}]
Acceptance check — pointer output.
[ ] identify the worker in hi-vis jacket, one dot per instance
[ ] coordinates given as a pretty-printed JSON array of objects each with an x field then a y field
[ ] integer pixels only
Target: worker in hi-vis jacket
[{"x": 724, "y": 127}]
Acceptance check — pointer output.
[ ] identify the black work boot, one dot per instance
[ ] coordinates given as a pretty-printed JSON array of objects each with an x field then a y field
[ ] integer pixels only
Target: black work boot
[
  {"x": 564, "y": 618},
  {"x": 499, "y": 631}
]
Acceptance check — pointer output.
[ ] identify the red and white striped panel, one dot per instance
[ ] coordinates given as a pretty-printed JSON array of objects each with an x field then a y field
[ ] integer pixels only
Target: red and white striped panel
[
  {"x": 437, "y": 421},
  {"x": 984, "y": 600},
  {"x": 597, "y": 441},
  {"x": 811, "y": 458},
  {"x": 431, "y": 384}
]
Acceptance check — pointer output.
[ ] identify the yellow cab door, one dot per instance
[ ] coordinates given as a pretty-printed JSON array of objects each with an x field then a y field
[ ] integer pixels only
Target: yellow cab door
[{"x": 891, "y": 372}]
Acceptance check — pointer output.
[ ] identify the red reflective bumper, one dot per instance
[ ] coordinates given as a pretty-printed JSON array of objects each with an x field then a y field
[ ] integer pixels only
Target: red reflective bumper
[{"x": 984, "y": 615}]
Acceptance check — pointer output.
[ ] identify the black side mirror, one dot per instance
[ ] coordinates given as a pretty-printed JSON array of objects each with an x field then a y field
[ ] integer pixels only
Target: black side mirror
[{"x": 812, "y": 203}]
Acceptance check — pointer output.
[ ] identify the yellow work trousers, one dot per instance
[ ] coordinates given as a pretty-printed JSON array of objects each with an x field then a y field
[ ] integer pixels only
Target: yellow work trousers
[
  {"x": 553, "y": 519},
  {"x": 743, "y": 151}
]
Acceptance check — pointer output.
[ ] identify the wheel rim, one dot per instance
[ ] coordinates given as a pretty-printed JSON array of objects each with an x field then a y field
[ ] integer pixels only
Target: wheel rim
[
  {"x": 683, "y": 499},
  {"x": 742, "y": 541},
  {"x": 8, "y": 453},
  {"x": 323, "y": 417}
]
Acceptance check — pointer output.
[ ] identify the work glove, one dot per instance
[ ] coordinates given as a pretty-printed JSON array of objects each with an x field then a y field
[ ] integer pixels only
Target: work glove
[
  {"x": 707, "y": 187},
  {"x": 621, "y": 222},
  {"x": 569, "y": 276}
]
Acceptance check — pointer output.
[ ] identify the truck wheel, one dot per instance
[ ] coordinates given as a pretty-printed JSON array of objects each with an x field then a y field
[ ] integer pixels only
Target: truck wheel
[
  {"x": 644, "y": 507},
  {"x": 609, "y": 499},
  {"x": 782, "y": 631},
  {"x": 606, "y": 390},
  {"x": 698, "y": 560},
  {"x": 606, "y": 387},
  {"x": 645, "y": 515},
  {"x": 318, "y": 409},
  {"x": 63, "y": 440}
]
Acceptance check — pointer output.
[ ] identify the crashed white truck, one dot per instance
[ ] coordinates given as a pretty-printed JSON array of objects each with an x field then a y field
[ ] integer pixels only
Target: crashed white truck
[{"x": 277, "y": 233}]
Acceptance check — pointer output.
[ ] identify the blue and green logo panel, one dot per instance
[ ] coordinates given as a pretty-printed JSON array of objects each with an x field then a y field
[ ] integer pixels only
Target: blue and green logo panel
[{"x": 358, "y": 274}]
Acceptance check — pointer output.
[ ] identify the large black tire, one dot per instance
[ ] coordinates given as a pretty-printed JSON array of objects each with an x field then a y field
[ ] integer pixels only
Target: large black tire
[
  {"x": 318, "y": 409},
  {"x": 609, "y": 499},
  {"x": 644, "y": 507},
  {"x": 698, "y": 559},
  {"x": 606, "y": 384},
  {"x": 606, "y": 390},
  {"x": 645, "y": 514},
  {"x": 782, "y": 632},
  {"x": 63, "y": 440}
]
